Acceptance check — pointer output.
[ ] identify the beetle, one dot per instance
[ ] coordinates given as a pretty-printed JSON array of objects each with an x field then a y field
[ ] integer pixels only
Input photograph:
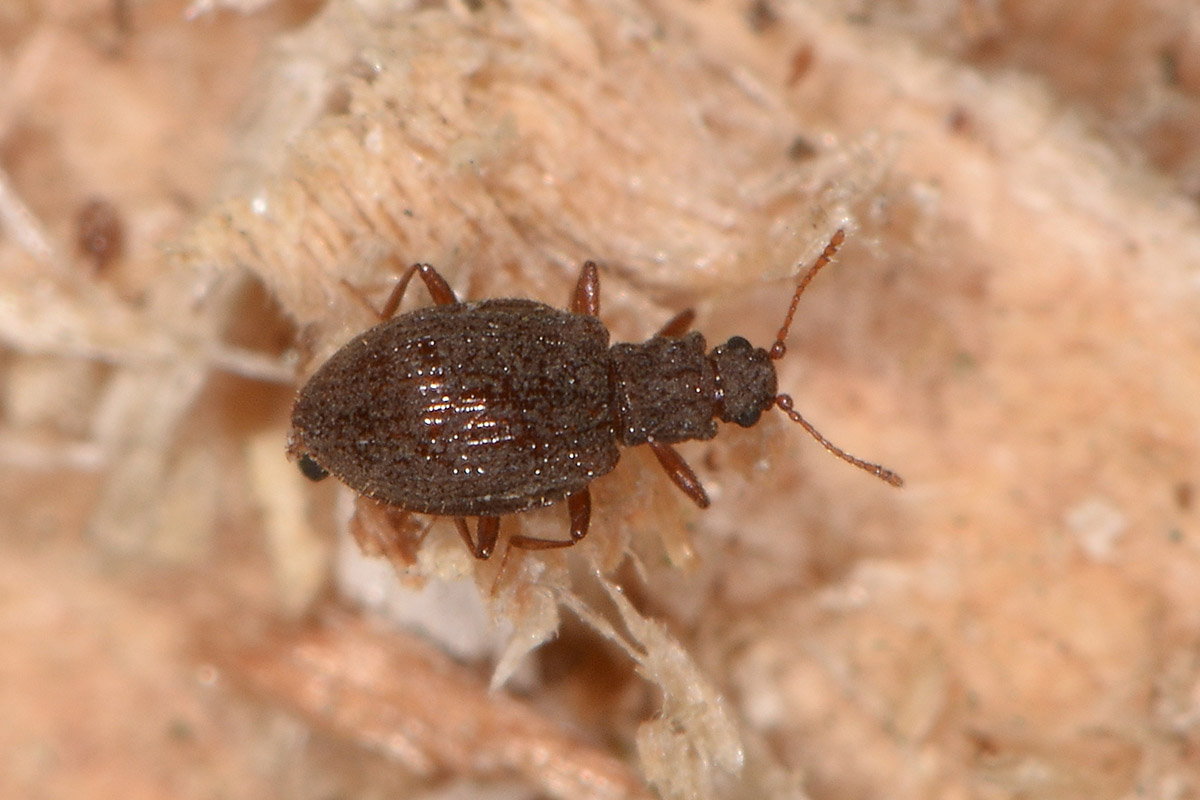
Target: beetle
[{"x": 495, "y": 407}]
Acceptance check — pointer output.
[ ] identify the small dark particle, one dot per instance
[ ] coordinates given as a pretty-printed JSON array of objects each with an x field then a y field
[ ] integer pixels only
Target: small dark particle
[
  {"x": 337, "y": 100},
  {"x": 984, "y": 744},
  {"x": 802, "y": 61},
  {"x": 801, "y": 149},
  {"x": 180, "y": 730},
  {"x": 958, "y": 120},
  {"x": 99, "y": 233},
  {"x": 122, "y": 18},
  {"x": 963, "y": 363},
  {"x": 1184, "y": 495},
  {"x": 1168, "y": 62},
  {"x": 761, "y": 15}
]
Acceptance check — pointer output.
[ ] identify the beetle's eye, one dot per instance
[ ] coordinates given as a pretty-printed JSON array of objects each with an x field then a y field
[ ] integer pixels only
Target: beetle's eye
[
  {"x": 748, "y": 418},
  {"x": 311, "y": 469},
  {"x": 738, "y": 343}
]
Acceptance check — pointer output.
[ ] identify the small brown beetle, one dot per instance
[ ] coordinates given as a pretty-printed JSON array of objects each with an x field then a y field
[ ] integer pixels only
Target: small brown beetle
[{"x": 500, "y": 406}]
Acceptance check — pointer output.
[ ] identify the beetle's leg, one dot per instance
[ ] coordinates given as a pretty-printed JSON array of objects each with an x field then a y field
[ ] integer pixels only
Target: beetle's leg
[
  {"x": 579, "y": 506},
  {"x": 586, "y": 298},
  {"x": 679, "y": 472},
  {"x": 678, "y": 325},
  {"x": 485, "y": 535},
  {"x": 465, "y": 533},
  {"x": 439, "y": 290}
]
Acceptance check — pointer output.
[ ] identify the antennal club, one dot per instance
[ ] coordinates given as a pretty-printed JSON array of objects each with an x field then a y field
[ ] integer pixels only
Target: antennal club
[{"x": 779, "y": 349}]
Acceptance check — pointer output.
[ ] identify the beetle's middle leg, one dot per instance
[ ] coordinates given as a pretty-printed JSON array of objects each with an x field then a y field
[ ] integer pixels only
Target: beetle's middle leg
[
  {"x": 680, "y": 473},
  {"x": 579, "y": 506}
]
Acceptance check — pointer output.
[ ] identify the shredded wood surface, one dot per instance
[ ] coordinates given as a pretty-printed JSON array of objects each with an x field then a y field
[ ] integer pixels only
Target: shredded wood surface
[{"x": 1013, "y": 325}]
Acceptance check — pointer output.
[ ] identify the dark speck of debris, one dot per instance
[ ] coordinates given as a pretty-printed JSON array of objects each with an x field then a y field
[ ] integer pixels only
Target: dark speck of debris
[
  {"x": 1184, "y": 495},
  {"x": 801, "y": 149},
  {"x": 761, "y": 15},
  {"x": 99, "y": 233},
  {"x": 802, "y": 61}
]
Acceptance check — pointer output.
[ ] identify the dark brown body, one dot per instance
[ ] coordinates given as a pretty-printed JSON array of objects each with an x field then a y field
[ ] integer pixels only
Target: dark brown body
[{"x": 495, "y": 407}]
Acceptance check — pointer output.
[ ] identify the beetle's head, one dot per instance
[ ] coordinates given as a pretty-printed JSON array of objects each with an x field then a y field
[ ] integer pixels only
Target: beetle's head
[{"x": 745, "y": 381}]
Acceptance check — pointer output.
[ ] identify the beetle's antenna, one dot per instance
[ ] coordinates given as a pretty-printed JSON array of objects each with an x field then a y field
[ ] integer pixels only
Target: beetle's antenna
[
  {"x": 779, "y": 349},
  {"x": 883, "y": 473}
]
